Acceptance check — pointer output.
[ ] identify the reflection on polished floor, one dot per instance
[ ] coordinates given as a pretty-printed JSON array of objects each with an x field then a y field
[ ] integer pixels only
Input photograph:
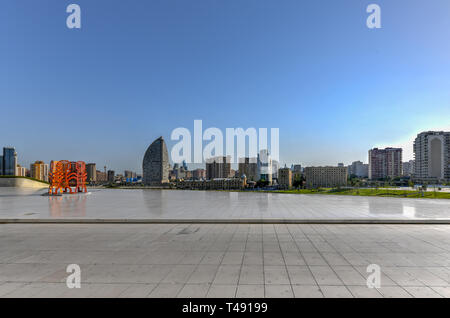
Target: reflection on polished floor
[{"x": 182, "y": 204}]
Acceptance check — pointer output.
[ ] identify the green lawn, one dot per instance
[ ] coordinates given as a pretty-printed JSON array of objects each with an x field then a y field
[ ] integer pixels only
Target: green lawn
[{"x": 373, "y": 192}]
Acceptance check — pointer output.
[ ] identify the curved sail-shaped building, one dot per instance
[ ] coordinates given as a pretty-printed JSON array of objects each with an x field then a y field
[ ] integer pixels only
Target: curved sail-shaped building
[{"x": 155, "y": 166}]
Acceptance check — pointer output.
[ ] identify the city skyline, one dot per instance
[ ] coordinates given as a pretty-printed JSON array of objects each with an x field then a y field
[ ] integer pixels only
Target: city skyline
[
  {"x": 406, "y": 146},
  {"x": 224, "y": 153},
  {"x": 135, "y": 72},
  {"x": 354, "y": 165}
]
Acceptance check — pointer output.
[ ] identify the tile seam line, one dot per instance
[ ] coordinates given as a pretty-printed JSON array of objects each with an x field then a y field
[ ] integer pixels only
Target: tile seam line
[{"x": 224, "y": 221}]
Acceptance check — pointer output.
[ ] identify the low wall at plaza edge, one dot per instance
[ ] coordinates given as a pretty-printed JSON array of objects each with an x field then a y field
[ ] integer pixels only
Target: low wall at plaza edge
[{"x": 22, "y": 183}]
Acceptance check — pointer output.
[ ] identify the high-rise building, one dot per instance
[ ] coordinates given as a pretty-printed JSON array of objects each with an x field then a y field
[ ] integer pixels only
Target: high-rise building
[
  {"x": 275, "y": 168},
  {"x": 21, "y": 171},
  {"x": 296, "y": 168},
  {"x": 340, "y": 164},
  {"x": 155, "y": 165},
  {"x": 385, "y": 163},
  {"x": 408, "y": 168},
  {"x": 285, "y": 178},
  {"x": 110, "y": 176},
  {"x": 91, "y": 173},
  {"x": 101, "y": 176},
  {"x": 199, "y": 174},
  {"x": 39, "y": 170},
  {"x": 432, "y": 156},
  {"x": 129, "y": 174},
  {"x": 296, "y": 172},
  {"x": 265, "y": 166},
  {"x": 218, "y": 167},
  {"x": 325, "y": 176},
  {"x": 359, "y": 169},
  {"x": 249, "y": 168},
  {"x": 180, "y": 171},
  {"x": 9, "y": 161},
  {"x": 174, "y": 172}
]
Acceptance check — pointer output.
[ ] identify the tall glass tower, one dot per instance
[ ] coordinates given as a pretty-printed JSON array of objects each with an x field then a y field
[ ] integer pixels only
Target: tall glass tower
[{"x": 9, "y": 161}]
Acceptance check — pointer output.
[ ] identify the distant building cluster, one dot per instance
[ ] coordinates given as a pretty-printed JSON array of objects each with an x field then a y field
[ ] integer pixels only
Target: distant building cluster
[
  {"x": 213, "y": 184},
  {"x": 199, "y": 174},
  {"x": 180, "y": 172},
  {"x": 98, "y": 177},
  {"x": 40, "y": 170},
  {"x": 358, "y": 169},
  {"x": 9, "y": 166},
  {"x": 431, "y": 164}
]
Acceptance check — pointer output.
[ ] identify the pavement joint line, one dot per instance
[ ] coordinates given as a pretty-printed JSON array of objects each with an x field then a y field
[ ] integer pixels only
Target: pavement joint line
[{"x": 224, "y": 221}]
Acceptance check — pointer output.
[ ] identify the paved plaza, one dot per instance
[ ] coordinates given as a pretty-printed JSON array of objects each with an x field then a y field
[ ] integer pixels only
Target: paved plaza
[
  {"x": 147, "y": 205},
  {"x": 224, "y": 260}
]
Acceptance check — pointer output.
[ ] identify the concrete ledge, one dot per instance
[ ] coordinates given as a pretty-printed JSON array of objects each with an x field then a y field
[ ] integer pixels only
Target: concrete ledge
[
  {"x": 22, "y": 183},
  {"x": 224, "y": 221}
]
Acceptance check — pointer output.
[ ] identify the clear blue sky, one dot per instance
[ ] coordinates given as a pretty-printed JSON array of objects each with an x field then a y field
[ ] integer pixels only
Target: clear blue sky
[{"x": 138, "y": 69}]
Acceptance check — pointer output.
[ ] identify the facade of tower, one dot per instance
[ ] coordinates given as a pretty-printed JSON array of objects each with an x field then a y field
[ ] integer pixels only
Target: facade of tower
[
  {"x": 385, "y": 163},
  {"x": 265, "y": 166},
  {"x": 432, "y": 156},
  {"x": 218, "y": 167},
  {"x": 155, "y": 166},
  {"x": 39, "y": 170},
  {"x": 249, "y": 168},
  {"x": 9, "y": 161},
  {"x": 91, "y": 171}
]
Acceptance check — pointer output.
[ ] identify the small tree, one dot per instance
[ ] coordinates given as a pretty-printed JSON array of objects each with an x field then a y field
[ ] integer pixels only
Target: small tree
[
  {"x": 298, "y": 182},
  {"x": 262, "y": 183},
  {"x": 357, "y": 185}
]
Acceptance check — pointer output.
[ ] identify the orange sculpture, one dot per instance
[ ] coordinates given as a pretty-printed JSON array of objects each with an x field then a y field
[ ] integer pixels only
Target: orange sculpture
[{"x": 67, "y": 176}]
